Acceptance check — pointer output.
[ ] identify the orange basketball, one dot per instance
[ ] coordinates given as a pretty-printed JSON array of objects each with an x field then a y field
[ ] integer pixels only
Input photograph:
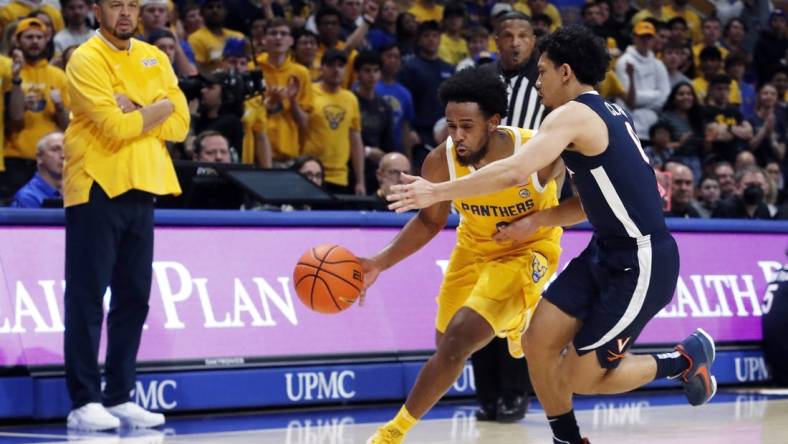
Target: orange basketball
[{"x": 328, "y": 278}]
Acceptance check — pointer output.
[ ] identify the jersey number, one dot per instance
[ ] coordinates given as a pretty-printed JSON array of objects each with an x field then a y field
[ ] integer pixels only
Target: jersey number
[{"x": 635, "y": 139}]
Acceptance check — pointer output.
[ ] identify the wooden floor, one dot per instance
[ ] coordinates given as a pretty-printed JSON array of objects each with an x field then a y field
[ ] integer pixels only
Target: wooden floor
[{"x": 737, "y": 418}]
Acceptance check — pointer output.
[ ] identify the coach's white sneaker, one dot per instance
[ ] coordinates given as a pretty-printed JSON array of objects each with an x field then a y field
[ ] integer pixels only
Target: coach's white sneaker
[
  {"x": 92, "y": 416},
  {"x": 134, "y": 416}
]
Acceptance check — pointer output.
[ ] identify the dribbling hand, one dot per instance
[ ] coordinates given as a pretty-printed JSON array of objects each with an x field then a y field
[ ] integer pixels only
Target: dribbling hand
[
  {"x": 371, "y": 272},
  {"x": 415, "y": 193}
]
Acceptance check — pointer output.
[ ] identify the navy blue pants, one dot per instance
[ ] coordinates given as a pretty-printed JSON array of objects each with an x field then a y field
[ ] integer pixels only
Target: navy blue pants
[{"x": 109, "y": 242}]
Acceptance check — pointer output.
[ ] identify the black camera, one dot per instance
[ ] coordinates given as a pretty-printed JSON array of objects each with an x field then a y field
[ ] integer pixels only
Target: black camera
[{"x": 237, "y": 87}]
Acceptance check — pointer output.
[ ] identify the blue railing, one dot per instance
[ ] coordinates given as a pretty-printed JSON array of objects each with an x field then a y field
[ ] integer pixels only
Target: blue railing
[{"x": 27, "y": 217}]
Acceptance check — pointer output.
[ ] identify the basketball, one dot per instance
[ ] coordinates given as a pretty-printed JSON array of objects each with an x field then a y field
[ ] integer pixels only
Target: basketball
[{"x": 328, "y": 278}]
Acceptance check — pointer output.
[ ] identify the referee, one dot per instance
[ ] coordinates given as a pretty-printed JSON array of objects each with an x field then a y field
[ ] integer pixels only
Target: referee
[
  {"x": 502, "y": 383},
  {"x": 125, "y": 103}
]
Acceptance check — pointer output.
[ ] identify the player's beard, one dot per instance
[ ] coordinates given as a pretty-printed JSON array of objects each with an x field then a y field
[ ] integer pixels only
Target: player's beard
[{"x": 477, "y": 156}]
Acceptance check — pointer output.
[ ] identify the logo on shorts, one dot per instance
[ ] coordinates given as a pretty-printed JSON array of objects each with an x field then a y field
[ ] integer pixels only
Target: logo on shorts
[{"x": 538, "y": 266}]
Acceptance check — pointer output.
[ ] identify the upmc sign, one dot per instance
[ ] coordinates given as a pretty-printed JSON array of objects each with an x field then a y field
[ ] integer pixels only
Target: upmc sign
[{"x": 225, "y": 293}]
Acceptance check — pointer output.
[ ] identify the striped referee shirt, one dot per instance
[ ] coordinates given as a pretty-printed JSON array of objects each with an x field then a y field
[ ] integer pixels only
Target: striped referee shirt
[{"x": 525, "y": 106}]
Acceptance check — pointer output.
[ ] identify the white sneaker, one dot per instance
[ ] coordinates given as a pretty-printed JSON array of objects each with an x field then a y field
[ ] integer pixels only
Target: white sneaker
[
  {"x": 134, "y": 416},
  {"x": 92, "y": 416}
]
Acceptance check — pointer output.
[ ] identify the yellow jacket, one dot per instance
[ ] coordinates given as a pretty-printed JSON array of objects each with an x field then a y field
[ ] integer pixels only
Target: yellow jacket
[{"x": 105, "y": 145}]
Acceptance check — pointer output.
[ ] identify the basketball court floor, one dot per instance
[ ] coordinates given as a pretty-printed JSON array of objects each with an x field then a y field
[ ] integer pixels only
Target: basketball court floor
[{"x": 735, "y": 417}]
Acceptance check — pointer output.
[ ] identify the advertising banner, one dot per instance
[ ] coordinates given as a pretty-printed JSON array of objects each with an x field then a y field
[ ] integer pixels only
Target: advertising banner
[{"x": 224, "y": 294}]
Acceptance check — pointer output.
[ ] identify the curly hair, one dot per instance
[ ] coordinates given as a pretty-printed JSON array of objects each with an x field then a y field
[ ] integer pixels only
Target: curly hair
[
  {"x": 479, "y": 85},
  {"x": 581, "y": 49}
]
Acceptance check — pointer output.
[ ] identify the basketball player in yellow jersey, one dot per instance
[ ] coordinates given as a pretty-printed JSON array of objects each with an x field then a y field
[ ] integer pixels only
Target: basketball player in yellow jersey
[{"x": 496, "y": 273}]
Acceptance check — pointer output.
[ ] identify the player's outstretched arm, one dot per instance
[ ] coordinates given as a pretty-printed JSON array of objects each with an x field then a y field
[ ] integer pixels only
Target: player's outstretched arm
[
  {"x": 554, "y": 135},
  {"x": 567, "y": 213},
  {"x": 420, "y": 229}
]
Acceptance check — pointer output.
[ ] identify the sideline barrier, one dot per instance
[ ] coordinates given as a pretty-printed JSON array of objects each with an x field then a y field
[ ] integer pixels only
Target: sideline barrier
[{"x": 222, "y": 296}]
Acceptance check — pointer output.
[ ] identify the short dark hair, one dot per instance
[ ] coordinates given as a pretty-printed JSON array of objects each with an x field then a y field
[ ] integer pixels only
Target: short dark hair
[
  {"x": 677, "y": 21},
  {"x": 326, "y": 11},
  {"x": 427, "y": 26},
  {"x": 661, "y": 124},
  {"x": 367, "y": 57},
  {"x": 710, "y": 53},
  {"x": 511, "y": 15},
  {"x": 479, "y": 85},
  {"x": 453, "y": 9},
  {"x": 719, "y": 79},
  {"x": 303, "y": 32},
  {"x": 541, "y": 17},
  {"x": 581, "y": 49},
  {"x": 158, "y": 34},
  {"x": 735, "y": 58},
  {"x": 388, "y": 47},
  {"x": 299, "y": 162}
]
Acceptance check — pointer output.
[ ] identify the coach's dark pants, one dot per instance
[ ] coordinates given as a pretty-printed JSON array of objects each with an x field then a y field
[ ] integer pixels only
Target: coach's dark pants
[
  {"x": 497, "y": 374},
  {"x": 109, "y": 242}
]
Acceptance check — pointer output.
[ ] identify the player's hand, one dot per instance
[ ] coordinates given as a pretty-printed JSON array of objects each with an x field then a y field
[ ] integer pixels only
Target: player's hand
[
  {"x": 518, "y": 230},
  {"x": 125, "y": 104},
  {"x": 371, "y": 272},
  {"x": 415, "y": 193}
]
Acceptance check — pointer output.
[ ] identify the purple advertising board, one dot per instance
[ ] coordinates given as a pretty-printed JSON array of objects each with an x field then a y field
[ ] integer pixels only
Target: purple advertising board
[{"x": 227, "y": 293}]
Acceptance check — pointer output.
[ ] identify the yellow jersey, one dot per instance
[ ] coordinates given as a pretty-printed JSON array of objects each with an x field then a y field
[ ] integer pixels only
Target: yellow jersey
[
  {"x": 328, "y": 135},
  {"x": 452, "y": 50},
  {"x": 482, "y": 216},
  {"x": 5, "y": 87},
  {"x": 208, "y": 47},
  {"x": 105, "y": 145},
  {"x": 39, "y": 80},
  {"x": 692, "y": 19},
  {"x": 282, "y": 128}
]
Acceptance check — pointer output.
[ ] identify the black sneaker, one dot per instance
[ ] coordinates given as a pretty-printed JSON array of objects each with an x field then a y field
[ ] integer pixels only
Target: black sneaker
[
  {"x": 512, "y": 409},
  {"x": 488, "y": 411}
]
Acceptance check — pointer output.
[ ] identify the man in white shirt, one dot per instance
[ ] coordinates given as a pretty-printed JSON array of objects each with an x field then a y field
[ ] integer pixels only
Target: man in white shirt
[
  {"x": 642, "y": 71},
  {"x": 77, "y": 31}
]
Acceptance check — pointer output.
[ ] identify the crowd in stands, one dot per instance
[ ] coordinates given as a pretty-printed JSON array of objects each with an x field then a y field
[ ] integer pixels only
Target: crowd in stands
[{"x": 350, "y": 97}]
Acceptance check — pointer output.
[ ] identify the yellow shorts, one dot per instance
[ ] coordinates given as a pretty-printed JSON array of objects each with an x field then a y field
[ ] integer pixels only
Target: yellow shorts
[{"x": 503, "y": 290}]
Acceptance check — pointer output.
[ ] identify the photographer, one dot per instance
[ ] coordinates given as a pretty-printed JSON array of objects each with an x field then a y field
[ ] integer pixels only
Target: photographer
[
  {"x": 748, "y": 200},
  {"x": 256, "y": 148},
  {"x": 214, "y": 114}
]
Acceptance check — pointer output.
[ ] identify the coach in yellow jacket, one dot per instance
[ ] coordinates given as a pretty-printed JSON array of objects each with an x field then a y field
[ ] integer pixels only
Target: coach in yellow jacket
[{"x": 125, "y": 104}]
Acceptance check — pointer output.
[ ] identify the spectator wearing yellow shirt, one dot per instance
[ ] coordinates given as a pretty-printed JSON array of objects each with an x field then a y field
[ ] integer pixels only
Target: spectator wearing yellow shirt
[
  {"x": 45, "y": 98},
  {"x": 126, "y": 104},
  {"x": 453, "y": 48},
  {"x": 712, "y": 32},
  {"x": 288, "y": 97},
  {"x": 425, "y": 10},
  {"x": 19, "y": 9},
  {"x": 334, "y": 132},
  {"x": 711, "y": 65},
  {"x": 208, "y": 41},
  {"x": 329, "y": 32},
  {"x": 11, "y": 89},
  {"x": 305, "y": 51},
  {"x": 678, "y": 8}
]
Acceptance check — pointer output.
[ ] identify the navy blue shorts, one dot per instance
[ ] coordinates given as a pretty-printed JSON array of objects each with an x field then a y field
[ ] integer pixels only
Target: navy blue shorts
[{"x": 615, "y": 287}]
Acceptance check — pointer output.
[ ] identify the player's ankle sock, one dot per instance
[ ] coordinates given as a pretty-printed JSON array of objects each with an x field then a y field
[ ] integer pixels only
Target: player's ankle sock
[
  {"x": 403, "y": 421},
  {"x": 670, "y": 365},
  {"x": 565, "y": 430}
]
